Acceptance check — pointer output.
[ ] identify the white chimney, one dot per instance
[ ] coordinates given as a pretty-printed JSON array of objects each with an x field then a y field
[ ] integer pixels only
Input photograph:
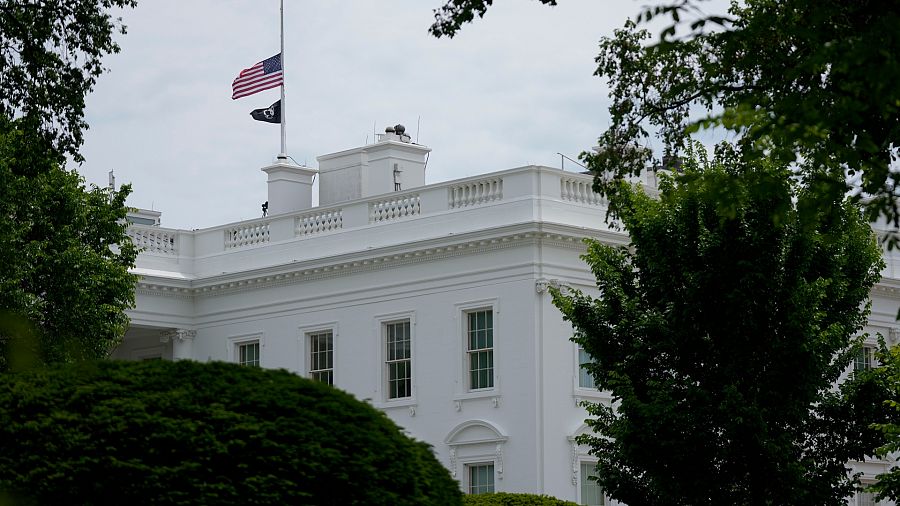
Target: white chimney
[
  {"x": 290, "y": 186},
  {"x": 393, "y": 163}
]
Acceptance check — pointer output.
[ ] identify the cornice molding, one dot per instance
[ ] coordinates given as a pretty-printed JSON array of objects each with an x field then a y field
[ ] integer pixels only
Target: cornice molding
[
  {"x": 557, "y": 236},
  {"x": 889, "y": 289}
]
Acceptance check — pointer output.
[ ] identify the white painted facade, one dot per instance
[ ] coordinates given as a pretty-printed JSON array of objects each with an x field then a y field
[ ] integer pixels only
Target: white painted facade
[{"x": 369, "y": 259}]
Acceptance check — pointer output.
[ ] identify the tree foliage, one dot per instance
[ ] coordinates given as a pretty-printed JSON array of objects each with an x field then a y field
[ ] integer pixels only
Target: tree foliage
[
  {"x": 170, "y": 433},
  {"x": 64, "y": 255},
  {"x": 813, "y": 83},
  {"x": 721, "y": 332},
  {"x": 455, "y": 13},
  {"x": 888, "y": 485},
  {"x": 51, "y": 54},
  {"x": 63, "y": 248}
]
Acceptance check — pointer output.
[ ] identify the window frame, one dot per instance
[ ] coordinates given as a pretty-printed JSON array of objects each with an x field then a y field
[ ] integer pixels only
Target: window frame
[
  {"x": 239, "y": 352},
  {"x": 468, "y": 467},
  {"x": 867, "y": 353},
  {"x": 235, "y": 342},
  {"x": 316, "y": 374},
  {"x": 305, "y": 337},
  {"x": 579, "y": 371},
  {"x": 461, "y": 311},
  {"x": 581, "y": 482},
  {"x": 476, "y": 353},
  {"x": 381, "y": 324}
]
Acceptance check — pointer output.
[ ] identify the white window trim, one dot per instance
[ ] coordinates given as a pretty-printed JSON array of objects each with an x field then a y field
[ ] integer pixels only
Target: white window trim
[
  {"x": 475, "y": 461},
  {"x": 856, "y": 494},
  {"x": 576, "y": 361},
  {"x": 235, "y": 341},
  {"x": 462, "y": 380},
  {"x": 305, "y": 331},
  {"x": 380, "y": 321},
  {"x": 578, "y": 497},
  {"x": 871, "y": 348},
  {"x": 580, "y": 393}
]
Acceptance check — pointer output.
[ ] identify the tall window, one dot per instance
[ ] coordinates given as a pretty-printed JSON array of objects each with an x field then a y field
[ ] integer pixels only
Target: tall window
[
  {"x": 865, "y": 499},
  {"x": 481, "y": 478},
  {"x": 398, "y": 359},
  {"x": 591, "y": 493},
  {"x": 480, "y": 348},
  {"x": 248, "y": 354},
  {"x": 585, "y": 380},
  {"x": 863, "y": 359},
  {"x": 321, "y": 356}
]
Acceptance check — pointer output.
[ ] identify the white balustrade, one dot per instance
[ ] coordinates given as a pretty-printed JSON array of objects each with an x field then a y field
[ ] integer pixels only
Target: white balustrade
[
  {"x": 322, "y": 221},
  {"x": 247, "y": 234},
  {"x": 579, "y": 190},
  {"x": 435, "y": 199},
  {"x": 476, "y": 192},
  {"x": 393, "y": 208},
  {"x": 154, "y": 240}
]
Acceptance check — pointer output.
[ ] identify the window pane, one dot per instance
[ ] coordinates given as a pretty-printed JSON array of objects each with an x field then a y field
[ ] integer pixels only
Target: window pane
[
  {"x": 248, "y": 354},
  {"x": 863, "y": 359},
  {"x": 585, "y": 380},
  {"x": 321, "y": 357},
  {"x": 398, "y": 359},
  {"x": 480, "y": 342},
  {"x": 481, "y": 478},
  {"x": 591, "y": 493},
  {"x": 865, "y": 499},
  {"x": 481, "y": 369}
]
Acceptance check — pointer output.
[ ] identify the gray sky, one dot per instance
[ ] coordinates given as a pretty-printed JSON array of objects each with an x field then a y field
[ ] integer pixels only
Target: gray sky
[{"x": 511, "y": 89}]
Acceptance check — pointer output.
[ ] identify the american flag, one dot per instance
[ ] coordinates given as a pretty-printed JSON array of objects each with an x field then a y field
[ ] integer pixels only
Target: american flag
[{"x": 262, "y": 76}]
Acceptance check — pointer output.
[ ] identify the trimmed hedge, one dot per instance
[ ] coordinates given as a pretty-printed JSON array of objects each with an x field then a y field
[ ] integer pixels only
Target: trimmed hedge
[
  {"x": 507, "y": 499},
  {"x": 185, "y": 432}
]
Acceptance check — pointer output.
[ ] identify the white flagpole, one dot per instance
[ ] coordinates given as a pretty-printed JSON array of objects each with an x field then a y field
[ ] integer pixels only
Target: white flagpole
[{"x": 283, "y": 154}]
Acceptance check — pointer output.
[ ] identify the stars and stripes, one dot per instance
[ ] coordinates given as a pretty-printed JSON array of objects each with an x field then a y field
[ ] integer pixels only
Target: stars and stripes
[{"x": 262, "y": 76}]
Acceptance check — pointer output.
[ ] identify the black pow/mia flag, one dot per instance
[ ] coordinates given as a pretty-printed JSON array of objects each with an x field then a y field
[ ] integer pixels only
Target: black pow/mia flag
[{"x": 271, "y": 114}]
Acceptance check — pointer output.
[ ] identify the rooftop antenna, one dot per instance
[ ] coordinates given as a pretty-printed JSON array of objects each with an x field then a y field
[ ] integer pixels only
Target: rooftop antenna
[{"x": 418, "y": 120}]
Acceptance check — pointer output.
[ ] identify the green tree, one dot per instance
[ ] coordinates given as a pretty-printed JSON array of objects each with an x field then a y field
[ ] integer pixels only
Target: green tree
[
  {"x": 64, "y": 256},
  {"x": 189, "y": 433},
  {"x": 888, "y": 485},
  {"x": 814, "y": 83},
  {"x": 63, "y": 248},
  {"x": 721, "y": 332},
  {"x": 51, "y": 54}
]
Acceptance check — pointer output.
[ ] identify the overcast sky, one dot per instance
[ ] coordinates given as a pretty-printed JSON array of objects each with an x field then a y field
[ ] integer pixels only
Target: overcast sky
[{"x": 511, "y": 89}]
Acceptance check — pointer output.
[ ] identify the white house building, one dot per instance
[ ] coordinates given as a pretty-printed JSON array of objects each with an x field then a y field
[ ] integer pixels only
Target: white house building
[{"x": 429, "y": 301}]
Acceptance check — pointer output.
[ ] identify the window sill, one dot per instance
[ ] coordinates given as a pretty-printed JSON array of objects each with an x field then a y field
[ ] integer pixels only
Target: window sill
[
  {"x": 493, "y": 394},
  {"x": 590, "y": 394},
  {"x": 477, "y": 394},
  {"x": 396, "y": 403}
]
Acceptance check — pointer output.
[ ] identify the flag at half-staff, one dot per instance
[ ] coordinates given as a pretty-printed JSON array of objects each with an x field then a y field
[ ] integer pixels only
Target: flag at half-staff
[
  {"x": 271, "y": 114},
  {"x": 264, "y": 75}
]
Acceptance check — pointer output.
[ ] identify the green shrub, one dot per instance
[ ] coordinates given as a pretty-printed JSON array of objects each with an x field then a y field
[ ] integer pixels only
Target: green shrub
[
  {"x": 189, "y": 433},
  {"x": 507, "y": 499}
]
